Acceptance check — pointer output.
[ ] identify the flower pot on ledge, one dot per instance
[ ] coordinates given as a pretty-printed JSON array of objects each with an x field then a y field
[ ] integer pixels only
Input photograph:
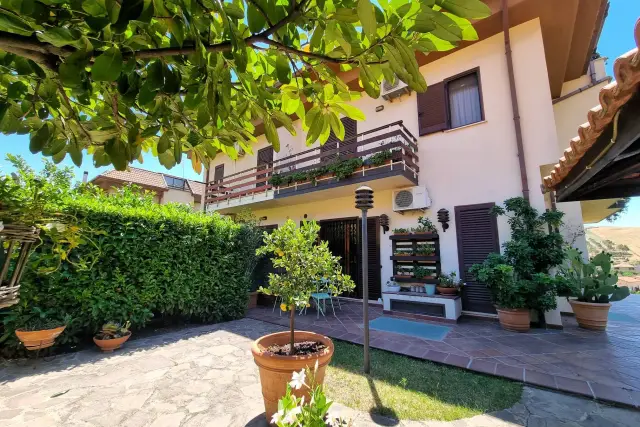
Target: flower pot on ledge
[
  {"x": 276, "y": 371},
  {"x": 446, "y": 291}
]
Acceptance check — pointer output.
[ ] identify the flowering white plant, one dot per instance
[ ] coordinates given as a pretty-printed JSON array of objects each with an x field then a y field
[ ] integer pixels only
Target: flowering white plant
[{"x": 295, "y": 412}]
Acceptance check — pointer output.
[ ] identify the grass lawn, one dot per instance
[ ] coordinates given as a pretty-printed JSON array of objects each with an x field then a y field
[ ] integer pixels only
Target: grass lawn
[{"x": 410, "y": 389}]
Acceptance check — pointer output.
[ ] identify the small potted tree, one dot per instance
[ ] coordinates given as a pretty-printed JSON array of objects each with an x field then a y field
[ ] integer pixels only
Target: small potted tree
[
  {"x": 593, "y": 286},
  {"x": 449, "y": 284},
  {"x": 112, "y": 335},
  {"x": 304, "y": 264}
]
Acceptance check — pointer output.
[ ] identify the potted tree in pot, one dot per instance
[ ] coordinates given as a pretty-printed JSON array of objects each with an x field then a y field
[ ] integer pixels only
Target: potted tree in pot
[
  {"x": 593, "y": 286},
  {"x": 304, "y": 263}
]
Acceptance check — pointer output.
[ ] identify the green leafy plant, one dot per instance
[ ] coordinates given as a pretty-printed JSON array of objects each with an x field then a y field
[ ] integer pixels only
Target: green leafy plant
[
  {"x": 593, "y": 282},
  {"x": 304, "y": 263},
  {"x": 35, "y": 319},
  {"x": 531, "y": 253},
  {"x": 421, "y": 272},
  {"x": 171, "y": 76},
  {"x": 426, "y": 226},
  {"x": 425, "y": 250},
  {"x": 380, "y": 158},
  {"x": 155, "y": 261},
  {"x": 400, "y": 231},
  {"x": 450, "y": 280},
  {"x": 113, "y": 330},
  {"x": 343, "y": 169},
  {"x": 276, "y": 180},
  {"x": 294, "y": 411}
]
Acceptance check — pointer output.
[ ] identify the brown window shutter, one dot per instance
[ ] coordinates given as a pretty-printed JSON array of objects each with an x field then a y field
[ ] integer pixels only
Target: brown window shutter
[
  {"x": 350, "y": 133},
  {"x": 432, "y": 109},
  {"x": 218, "y": 174}
]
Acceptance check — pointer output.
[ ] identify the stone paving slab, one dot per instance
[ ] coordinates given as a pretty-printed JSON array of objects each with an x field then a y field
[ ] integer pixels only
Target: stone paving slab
[
  {"x": 205, "y": 376},
  {"x": 595, "y": 364}
]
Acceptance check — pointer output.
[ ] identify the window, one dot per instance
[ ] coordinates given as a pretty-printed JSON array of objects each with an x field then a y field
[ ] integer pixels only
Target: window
[
  {"x": 174, "y": 182},
  {"x": 464, "y": 101},
  {"x": 450, "y": 104}
]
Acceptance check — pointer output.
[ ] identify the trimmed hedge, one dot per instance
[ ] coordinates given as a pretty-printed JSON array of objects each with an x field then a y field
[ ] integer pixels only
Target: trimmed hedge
[{"x": 155, "y": 260}]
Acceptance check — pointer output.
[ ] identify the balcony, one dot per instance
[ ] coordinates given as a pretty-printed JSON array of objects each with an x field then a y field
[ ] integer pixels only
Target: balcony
[{"x": 387, "y": 154}]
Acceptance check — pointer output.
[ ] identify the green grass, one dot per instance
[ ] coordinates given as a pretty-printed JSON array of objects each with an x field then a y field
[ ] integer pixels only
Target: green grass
[{"x": 408, "y": 389}]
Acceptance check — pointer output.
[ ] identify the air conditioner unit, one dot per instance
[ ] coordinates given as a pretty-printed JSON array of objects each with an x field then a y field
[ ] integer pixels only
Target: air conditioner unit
[
  {"x": 412, "y": 198},
  {"x": 389, "y": 91}
]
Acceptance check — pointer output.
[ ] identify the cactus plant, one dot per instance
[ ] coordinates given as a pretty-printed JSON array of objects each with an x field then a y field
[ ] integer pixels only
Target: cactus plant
[{"x": 592, "y": 282}]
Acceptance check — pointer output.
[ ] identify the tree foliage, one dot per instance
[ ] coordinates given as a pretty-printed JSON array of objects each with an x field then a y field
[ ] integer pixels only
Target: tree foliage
[{"x": 123, "y": 77}]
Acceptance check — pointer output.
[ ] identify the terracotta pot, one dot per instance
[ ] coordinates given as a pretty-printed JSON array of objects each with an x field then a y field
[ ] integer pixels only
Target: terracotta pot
[
  {"x": 276, "y": 371},
  {"x": 591, "y": 315},
  {"x": 447, "y": 291},
  {"x": 514, "y": 319},
  {"x": 36, "y": 340},
  {"x": 253, "y": 300},
  {"x": 107, "y": 346}
]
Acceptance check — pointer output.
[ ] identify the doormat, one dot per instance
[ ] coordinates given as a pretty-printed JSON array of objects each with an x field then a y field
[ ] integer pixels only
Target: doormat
[
  {"x": 621, "y": 317},
  {"x": 425, "y": 331}
]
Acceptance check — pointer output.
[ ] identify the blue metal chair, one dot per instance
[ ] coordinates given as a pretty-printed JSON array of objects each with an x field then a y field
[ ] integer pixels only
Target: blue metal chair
[{"x": 322, "y": 294}]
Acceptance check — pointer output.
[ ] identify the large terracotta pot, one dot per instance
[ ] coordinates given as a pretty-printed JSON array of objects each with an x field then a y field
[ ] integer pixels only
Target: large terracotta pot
[
  {"x": 276, "y": 371},
  {"x": 447, "y": 291},
  {"x": 108, "y": 346},
  {"x": 591, "y": 315},
  {"x": 36, "y": 340},
  {"x": 514, "y": 319}
]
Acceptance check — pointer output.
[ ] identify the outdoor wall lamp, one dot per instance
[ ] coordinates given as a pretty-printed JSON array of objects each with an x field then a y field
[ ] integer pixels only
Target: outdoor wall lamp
[
  {"x": 384, "y": 222},
  {"x": 443, "y": 217}
]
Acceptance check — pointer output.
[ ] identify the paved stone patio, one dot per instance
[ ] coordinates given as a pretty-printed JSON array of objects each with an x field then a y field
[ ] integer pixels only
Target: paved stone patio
[
  {"x": 603, "y": 365},
  {"x": 205, "y": 376}
]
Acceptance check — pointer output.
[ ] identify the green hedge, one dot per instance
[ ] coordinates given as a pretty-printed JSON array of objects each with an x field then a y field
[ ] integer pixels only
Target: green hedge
[{"x": 154, "y": 261}]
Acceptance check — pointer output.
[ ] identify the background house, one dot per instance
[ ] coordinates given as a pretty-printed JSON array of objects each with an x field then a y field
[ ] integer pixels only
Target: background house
[
  {"x": 456, "y": 147},
  {"x": 167, "y": 188}
]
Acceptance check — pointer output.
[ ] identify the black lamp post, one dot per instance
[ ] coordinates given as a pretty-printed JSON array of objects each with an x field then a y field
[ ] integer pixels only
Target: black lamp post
[{"x": 364, "y": 202}]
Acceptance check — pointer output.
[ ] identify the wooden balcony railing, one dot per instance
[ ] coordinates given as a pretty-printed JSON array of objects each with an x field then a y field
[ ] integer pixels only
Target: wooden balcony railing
[{"x": 394, "y": 137}]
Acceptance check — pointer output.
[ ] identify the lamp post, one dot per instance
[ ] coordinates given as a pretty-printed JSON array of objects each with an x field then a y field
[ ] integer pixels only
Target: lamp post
[{"x": 364, "y": 202}]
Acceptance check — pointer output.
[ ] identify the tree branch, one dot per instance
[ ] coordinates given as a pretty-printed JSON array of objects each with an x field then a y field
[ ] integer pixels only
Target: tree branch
[
  {"x": 73, "y": 112},
  {"x": 261, "y": 10}
]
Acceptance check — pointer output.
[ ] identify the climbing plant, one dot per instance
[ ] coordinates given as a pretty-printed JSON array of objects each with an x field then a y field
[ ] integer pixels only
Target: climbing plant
[{"x": 118, "y": 78}]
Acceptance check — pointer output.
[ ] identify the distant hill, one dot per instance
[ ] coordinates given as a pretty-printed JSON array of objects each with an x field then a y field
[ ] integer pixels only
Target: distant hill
[{"x": 622, "y": 242}]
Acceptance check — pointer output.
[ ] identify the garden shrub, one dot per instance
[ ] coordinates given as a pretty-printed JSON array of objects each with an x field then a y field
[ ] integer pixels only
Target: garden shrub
[{"x": 153, "y": 260}]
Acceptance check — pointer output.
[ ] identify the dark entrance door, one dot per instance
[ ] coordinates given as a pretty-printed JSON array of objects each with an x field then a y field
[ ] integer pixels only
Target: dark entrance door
[
  {"x": 343, "y": 238},
  {"x": 477, "y": 232},
  {"x": 264, "y": 266},
  {"x": 265, "y": 161}
]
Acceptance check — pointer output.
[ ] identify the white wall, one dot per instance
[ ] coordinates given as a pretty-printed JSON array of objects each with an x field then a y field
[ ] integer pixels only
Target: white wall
[{"x": 177, "y": 196}]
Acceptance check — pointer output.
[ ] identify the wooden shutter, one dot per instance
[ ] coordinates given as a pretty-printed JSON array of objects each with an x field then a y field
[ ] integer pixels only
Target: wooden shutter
[
  {"x": 477, "y": 233},
  {"x": 432, "y": 109},
  {"x": 218, "y": 173},
  {"x": 265, "y": 161},
  {"x": 373, "y": 246},
  {"x": 350, "y": 134}
]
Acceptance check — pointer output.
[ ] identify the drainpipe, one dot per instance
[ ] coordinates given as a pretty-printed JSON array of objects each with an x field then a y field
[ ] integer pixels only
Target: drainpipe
[{"x": 514, "y": 100}]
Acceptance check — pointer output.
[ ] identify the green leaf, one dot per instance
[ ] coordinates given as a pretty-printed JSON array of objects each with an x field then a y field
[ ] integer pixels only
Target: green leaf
[
  {"x": 470, "y": 9},
  {"x": 283, "y": 70},
  {"x": 346, "y": 14},
  {"x": 367, "y": 16},
  {"x": 271, "y": 133},
  {"x": 16, "y": 90},
  {"x": 349, "y": 111},
  {"x": 58, "y": 36},
  {"x": 424, "y": 23},
  {"x": 116, "y": 151},
  {"x": 233, "y": 10},
  {"x": 107, "y": 66},
  {"x": 446, "y": 28},
  {"x": 316, "y": 39},
  {"x": 75, "y": 153},
  {"x": 177, "y": 150},
  {"x": 468, "y": 31},
  {"x": 95, "y": 8},
  {"x": 14, "y": 24},
  {"x": 255, "y": 19},
  {"x": 40, "y": 138},
  {"x": 129, "y": 10},
  {"x": 369, "y": 83},
  {"x": 337, "y": 127},
  {"x": 164, "y": 142}
]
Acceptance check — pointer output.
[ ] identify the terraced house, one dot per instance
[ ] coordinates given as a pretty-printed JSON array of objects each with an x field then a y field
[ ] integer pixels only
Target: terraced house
[{"x": 496, "y": 116}]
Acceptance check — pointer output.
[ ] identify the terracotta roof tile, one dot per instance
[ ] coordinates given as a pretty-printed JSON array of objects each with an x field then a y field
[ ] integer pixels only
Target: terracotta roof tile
[
  {"x": 613, "y": 96},
  {"x": 136, "y": 176},
  {"x": 197, "y": 187}
]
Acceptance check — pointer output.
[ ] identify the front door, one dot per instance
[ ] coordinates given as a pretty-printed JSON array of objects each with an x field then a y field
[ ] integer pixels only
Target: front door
[
  {"x": 343, "y": 237},
  {"x": 477, "y": 232}
]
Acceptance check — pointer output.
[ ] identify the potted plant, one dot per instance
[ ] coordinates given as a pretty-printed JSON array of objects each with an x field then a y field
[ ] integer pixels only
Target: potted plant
[
  {"x": 449, "y": 284},
  {"x": 392, "y": 286},
  {"x": 400, "y": 231},
  {"x": 39, "y": 329},
  {"x": 421, "y": 272},
  {"x": 303, "y": 262},
  {"x": 425, "y": 226},
  {"x": 592, "y": 286},
  {"x": 112, "y": 335}
]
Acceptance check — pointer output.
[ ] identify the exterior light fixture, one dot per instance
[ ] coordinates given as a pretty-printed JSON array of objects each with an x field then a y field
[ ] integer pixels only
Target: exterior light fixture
[
  {"x": 384, "y": 222},
  {"x": 364, "y": 202},
  {"x": 443, "y": 217}
]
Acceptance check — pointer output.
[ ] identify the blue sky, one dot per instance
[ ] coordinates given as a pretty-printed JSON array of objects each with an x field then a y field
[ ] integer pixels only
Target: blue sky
[{"x": 616, "y": 39}]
